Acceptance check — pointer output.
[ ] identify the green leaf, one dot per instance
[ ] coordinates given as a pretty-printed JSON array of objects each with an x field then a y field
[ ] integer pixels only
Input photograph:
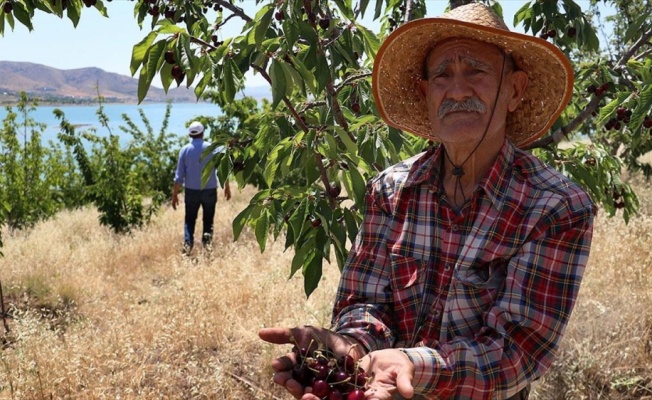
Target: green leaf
[
  {"x": 154, "y": 60},
  {"x": 140, "y": 51},
  {"x": 372, "y": 43},
  {"x": 298, "y": 218},
  {"x": 634, "y": 28},
  {"x": 357, "y": 186},
  {"x": 22, "y": 15},
  {"x": 302, "y": 255},
  {"x": 345, "y": 8},
  {"x": 523, "y": 13},
  {"x": 166, "y": 76},
  {"x": 291, "y": 31},
  {"x": 279, "y": 82},
  {"x": 263, "y": 19},
  {"x": 240, "y": 221},
  {"x": 228, "y": 82},
  {"x": 590, "y": 39},
  {"x": 306, "y": 75},
  {"x": 166, "y": 27},
  {"x": 262, "y": 229},
  {"x": 74, "y": 11},
  {"x": 642, "y": 109},
  {"x": 607, "y": 111},
  {"x": 351, "y": 147},
  {"x": 273, "y": 162},
  {"x": 312, "y": 273},
  {"x": 322, "y": 73}
]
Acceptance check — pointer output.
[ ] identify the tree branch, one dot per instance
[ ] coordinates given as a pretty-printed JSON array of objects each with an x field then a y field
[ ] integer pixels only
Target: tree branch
[
  {"x": 234, "y": 9},
  {"x": 350, "y": 79},
  {"x": 632, "y": 50},
  {"x": 562, "y": 133},
  {"x": 304, "y": 127}
]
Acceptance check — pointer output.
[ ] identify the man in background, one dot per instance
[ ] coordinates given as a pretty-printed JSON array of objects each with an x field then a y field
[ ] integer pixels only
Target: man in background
[{"x": 190, "y": 166}]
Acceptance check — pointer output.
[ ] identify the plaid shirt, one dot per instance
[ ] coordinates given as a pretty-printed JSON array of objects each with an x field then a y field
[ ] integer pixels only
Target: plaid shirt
[{"x": 478, "y": 299}]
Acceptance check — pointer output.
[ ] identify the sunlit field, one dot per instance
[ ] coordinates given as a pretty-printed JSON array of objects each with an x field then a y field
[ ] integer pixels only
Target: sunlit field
[{"x": 93, "y": 315}]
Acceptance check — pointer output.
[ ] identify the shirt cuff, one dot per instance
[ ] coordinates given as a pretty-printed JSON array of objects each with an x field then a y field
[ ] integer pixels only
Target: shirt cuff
[{"x": 427, "y": 364}]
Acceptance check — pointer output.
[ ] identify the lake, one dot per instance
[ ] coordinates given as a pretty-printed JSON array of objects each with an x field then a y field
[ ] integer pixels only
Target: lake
[{"x": 86, "y": 117}]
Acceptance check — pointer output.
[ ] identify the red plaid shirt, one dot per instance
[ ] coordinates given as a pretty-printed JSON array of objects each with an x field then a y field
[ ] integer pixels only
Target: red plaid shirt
[{"x": 478, "y": 300}]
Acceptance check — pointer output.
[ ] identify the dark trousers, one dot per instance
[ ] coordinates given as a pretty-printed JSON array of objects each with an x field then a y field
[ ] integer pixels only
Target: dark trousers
[{"x": 207, "y": 199}]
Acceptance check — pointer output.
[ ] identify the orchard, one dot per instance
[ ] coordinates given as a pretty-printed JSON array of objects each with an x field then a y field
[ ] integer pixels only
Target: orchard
[{"x": 312, "y": 148}]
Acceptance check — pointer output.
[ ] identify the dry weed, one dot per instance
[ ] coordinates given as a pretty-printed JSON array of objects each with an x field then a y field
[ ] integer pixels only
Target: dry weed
[{"x": 101, "y": 316}]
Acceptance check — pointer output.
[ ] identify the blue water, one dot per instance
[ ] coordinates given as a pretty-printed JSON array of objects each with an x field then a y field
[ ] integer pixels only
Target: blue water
[{"x": 85, "y": 117}]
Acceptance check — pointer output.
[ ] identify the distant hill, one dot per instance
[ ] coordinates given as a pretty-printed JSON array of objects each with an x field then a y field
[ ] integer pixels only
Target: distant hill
[{"x": 77, "y": 85}]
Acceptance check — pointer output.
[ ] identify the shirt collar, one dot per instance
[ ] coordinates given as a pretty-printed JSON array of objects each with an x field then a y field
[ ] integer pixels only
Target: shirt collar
[{"x": 425, "y": 170}]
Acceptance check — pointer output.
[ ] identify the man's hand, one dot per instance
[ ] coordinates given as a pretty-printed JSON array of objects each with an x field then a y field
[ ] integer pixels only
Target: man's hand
[
  {"x": 391, "y": 371},
  {"x": 175, "y": 201},
  {"x": 305, "y": 337},
  {"x": 227, "y": 191},
  {"x": 175, "y": 195}
]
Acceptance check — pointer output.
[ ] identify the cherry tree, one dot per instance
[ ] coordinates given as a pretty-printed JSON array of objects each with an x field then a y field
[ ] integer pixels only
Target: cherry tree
[{"x": 311, "y": 149}]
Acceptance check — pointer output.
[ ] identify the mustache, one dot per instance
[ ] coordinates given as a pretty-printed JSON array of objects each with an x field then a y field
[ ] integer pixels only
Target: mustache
[{"x": 472, "y": 104}]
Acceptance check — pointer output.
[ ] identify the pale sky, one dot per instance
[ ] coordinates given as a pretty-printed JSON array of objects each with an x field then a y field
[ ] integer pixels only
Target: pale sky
[{"x": 107, "y": 43}]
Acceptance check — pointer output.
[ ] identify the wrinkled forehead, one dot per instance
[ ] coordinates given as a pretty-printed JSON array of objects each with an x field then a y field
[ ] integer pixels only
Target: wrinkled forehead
[{"x": 464, "y": 49}]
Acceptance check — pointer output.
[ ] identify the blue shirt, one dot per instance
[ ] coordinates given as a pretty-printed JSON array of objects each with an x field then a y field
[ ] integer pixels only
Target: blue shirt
[{"x": 191, "y": 164}]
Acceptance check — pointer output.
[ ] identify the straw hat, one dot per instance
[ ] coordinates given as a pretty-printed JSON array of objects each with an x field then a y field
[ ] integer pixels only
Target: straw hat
[{"x": 399, "y": 66}]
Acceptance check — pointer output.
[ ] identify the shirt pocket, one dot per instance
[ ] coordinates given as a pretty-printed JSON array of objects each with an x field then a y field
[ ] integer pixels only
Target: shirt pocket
[
  {"x": 407, "y": 283},
  {"x": 476, "y": 290}
]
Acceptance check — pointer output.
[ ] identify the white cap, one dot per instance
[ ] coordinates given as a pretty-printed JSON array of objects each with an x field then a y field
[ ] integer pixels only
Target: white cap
[{"x": 196, "y": 128}]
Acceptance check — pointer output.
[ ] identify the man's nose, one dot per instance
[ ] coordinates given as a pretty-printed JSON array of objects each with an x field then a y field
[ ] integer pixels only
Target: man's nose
[{"x": 459, "y": 88}]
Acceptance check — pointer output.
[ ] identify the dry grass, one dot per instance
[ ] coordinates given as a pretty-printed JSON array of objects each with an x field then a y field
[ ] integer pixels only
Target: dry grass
[{"x": 100, "y": 316}]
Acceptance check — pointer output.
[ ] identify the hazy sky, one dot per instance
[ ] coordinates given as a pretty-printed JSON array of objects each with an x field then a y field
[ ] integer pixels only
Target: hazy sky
[{"x": 107, "y": 43}]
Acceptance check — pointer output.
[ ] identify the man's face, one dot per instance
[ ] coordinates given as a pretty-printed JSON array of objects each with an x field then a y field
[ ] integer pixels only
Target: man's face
[{"x": 463, "y": 78}]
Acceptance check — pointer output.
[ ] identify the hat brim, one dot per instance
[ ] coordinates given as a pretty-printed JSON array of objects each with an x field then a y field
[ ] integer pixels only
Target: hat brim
[{"x": 398, "y": 68}]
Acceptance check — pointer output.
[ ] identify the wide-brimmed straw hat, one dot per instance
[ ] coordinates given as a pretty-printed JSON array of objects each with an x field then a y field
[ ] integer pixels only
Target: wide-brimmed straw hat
[{"x": 400, "y": 62}]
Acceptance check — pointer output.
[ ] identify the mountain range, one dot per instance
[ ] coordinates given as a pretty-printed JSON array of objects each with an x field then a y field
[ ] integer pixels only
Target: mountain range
[{"x": 81, "y": 85}]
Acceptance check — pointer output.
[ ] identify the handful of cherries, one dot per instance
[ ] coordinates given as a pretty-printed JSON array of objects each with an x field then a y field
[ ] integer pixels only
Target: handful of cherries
[{"x": 329, "y": 376}]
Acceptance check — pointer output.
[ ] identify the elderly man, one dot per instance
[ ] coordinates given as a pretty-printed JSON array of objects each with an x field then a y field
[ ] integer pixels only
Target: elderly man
[{"x": 470, "y": 255}]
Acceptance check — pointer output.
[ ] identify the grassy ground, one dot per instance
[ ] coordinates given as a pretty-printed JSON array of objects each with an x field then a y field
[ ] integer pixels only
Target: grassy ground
[{"x": 100, "y": 316}]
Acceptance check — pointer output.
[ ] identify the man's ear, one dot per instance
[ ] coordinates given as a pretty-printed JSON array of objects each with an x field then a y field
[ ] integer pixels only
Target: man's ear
[
  {"x": 518, "y": 81},
  {"x": 422, "y": 87}
]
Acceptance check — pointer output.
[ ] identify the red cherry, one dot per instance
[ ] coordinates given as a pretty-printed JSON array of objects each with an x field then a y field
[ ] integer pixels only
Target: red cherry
[
  {"x": 320, "y": 388},
  {"x": 572, "y": 32},
  {"x": 335, "y": 395},
  {"x": 647, "y": 122},
  {"x": 552, "y": 33},
  {"x": 302, "y": 374},
  {"x": 360, "y": 378},
  {"x": 324, "y": 23},
  {"x": 340, "y": 376},
  {"x": 356, "y": 394},
  {"x": 347, "y": 363},
  {"x": 321, "y": 371}
]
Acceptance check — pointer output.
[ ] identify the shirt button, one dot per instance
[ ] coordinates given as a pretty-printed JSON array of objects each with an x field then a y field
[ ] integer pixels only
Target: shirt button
[
  {"x": 455, "y": 227},
  {"x": 447, "y": 267}
]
